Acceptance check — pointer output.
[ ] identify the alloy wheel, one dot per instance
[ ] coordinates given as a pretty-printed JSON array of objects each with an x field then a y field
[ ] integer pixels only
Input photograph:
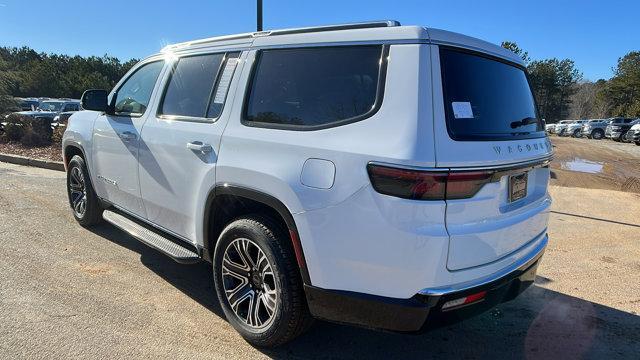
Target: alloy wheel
[
  {"x": 78, "y": 190},
  {"x": 249, "y": 283}
]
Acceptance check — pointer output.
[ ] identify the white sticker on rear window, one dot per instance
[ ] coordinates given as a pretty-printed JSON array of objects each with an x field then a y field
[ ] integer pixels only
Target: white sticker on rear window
[{"x": 462, "y": 110}]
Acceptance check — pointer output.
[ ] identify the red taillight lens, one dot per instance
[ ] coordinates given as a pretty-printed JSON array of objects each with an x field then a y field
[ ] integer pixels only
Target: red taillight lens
[
  {"x": 463, "y": 185},
  {"x": 426, "y": 185},
  {"x": 408, "y": 184}
]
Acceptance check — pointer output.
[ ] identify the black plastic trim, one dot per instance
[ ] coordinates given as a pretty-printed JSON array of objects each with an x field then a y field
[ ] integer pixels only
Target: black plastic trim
[
  {"x": 418, "y": 313},
  {"x": 260, "y": 197}
]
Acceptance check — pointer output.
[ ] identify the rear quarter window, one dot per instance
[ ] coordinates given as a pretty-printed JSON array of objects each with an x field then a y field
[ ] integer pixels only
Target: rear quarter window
[
  {"x": 314, "y": 88},
  {"x": 486, "y": 98}
]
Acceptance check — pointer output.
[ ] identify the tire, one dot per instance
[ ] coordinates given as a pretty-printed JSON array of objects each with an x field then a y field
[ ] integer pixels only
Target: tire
[
  {"x": 79, "y": 190},
  {"x": 577, "y": 133},
  {"x": 237, "y": 283},
  {"x": 638, "y": 143},
  {"x": 597, "y": 134}
]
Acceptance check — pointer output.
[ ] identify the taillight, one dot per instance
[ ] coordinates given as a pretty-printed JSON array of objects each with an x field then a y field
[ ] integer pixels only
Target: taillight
[
  {"x": 463, "y": 185},
  {"x": 427, "y": 185}
]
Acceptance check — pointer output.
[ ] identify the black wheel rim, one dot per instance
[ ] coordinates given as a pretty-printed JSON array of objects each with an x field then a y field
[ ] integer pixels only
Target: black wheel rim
[{"x": 78, "y": 191}]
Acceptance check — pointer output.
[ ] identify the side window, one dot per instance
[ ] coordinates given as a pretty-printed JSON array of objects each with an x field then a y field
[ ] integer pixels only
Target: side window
[
  {"x": 315, "y": 87},
  {"x": 190, "y": 92},
  {"x": 133, "y": 96}
]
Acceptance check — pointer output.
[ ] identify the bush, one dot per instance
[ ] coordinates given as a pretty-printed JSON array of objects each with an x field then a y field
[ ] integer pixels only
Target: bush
[
  {"x": 56, "y": 138},
  {"x": 14, "y": 129},
  {"x": 28, "y": 131}
]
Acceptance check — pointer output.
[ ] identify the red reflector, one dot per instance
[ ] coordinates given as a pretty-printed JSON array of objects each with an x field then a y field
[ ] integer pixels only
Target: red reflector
[
  {"x": 475, "y": 297},
  {"x": 464, "y": 301}
]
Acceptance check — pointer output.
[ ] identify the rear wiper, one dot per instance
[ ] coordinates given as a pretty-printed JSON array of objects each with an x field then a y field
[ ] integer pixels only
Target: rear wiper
[{"x": 526, "y": 121}]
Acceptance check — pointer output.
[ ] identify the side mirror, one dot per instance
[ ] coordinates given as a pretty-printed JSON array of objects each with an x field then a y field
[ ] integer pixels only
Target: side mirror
[{"x": 95, "y": 100}]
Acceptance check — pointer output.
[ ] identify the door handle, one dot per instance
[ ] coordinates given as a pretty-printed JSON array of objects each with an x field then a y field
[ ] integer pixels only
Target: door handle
[
  {"x": 199, "y": 146},
  {"x": 128, "y": 136}
]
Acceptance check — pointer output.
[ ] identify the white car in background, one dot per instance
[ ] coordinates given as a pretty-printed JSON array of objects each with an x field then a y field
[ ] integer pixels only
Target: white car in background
[
  {"x": 574, "y": 129},
  {"x": 561, "y": 127}
]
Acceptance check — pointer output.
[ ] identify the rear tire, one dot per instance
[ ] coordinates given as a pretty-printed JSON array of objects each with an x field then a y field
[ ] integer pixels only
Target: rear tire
[
  {"x": 83, "y": 200},
  {"x": 577, "y": 133},
  {"x": 597, "y": 134},
  {"x": 245, "y": 250}
]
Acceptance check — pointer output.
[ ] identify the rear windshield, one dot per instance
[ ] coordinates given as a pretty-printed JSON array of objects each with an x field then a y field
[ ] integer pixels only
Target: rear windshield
[{"x": 487, "y": 99}]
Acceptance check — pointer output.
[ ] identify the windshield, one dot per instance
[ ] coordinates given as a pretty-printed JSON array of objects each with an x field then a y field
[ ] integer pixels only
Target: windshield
[
  {"x": 50, "y": 106},
  {"x": 486, "y": 98}
]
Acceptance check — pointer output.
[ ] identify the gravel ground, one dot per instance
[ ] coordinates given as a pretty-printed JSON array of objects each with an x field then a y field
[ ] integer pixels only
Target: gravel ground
[
  {"x": 53, "y": 152},
  {"x": 67, "y": 292}
]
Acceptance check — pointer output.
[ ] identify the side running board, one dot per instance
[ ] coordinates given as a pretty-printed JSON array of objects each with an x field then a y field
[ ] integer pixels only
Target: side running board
[{"x": 151, "y": 238}]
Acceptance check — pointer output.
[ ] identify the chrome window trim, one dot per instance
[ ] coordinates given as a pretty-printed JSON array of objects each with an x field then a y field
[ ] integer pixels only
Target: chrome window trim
[{"x": 539, "y": 162}]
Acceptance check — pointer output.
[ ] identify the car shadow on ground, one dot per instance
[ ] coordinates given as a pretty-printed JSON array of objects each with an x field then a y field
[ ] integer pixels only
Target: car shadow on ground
[{"x": 541, "y": 323}]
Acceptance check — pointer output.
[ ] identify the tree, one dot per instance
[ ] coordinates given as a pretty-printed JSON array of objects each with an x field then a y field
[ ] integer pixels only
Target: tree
[
  {"x": 553, "y": 82},
  {"x": 51, "y": 75},
  {"x": 622, "y": 92},
  {"x": 509, "y": 45}
]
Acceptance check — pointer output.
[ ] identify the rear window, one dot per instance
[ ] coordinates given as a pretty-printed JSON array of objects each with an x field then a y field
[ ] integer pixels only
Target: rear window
[
  {"x": 487, "y": 99},
  {"x": 314, "y": 88}
]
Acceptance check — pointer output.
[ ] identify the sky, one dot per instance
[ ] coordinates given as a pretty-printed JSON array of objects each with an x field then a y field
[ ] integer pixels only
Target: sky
[{"x": 594, "y": 33}]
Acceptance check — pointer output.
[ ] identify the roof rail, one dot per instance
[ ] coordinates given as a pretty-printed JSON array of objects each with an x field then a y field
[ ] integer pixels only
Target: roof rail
[{"x": 350, "y": 26}]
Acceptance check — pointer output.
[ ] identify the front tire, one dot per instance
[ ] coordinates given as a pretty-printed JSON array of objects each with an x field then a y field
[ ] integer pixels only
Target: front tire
[
  {"x": 577, "y": 133},
  {"x": 258, "y": 282},
  {"x": 82, "y": 197}
]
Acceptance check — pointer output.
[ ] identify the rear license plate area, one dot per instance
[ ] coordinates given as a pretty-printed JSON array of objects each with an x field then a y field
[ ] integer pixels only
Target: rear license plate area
[{"x": 517, "y": 187}]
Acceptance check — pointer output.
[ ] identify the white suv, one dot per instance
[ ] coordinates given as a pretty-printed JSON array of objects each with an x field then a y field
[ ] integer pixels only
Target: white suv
[{"x": 393, "y": 177}]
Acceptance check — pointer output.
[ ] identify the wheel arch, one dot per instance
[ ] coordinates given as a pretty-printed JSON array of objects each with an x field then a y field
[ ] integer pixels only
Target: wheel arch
[
  {"x": 70, "y": 150},
  {"x": 245, "y": 201}
]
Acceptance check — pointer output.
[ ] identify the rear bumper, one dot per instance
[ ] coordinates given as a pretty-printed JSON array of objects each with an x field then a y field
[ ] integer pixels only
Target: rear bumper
[{"x": 424, "y": 310}]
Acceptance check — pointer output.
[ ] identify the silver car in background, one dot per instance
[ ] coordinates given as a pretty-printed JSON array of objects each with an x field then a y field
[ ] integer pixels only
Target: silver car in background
[
  {"x": 574, "y": 129},
  {"x": 595, "y": 128},
  {"x": 561, "y": 127}
]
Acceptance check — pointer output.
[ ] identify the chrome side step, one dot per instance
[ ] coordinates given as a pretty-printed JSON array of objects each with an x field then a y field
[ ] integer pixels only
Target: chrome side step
[{"x": 151, "y": 238}]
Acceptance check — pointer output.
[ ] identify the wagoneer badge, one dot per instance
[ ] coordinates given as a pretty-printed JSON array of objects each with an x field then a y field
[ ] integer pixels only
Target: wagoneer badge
[{"x": 534, "y": 146}]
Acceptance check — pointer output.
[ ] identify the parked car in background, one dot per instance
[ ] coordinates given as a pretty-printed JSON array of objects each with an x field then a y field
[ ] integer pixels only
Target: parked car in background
[
  {"x": 550, "y": 128},
  {"x": 618, "y": 128},
  {"x": 635, "y": 134},
  {"x": 49, "y": 109},
  {"x": 594, "y": 129},
  {"x": 561, "y": 127},
  {"x": 28, "y": 104},
  {"x": 628, "y": 136},
  {"x": 62, "y": 119},
  {"x": 574, "y": 129}
]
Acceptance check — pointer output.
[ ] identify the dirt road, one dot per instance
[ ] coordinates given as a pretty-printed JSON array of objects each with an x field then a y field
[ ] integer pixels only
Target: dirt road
[
  {"x": 67, "y": 292},
  {"x": 596, "y": 164}
]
